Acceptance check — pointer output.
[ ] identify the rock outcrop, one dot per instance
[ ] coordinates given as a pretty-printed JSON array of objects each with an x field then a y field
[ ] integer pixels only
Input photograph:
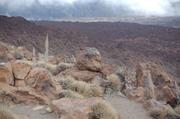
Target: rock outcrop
[
  {"x": 157, "y": 83},
  {"x": 89, "y": 59},
  {"x": 74, "y": 108},
  {"x": 6, "y": 74},
  {"x": 41, "y": 81},
  {"x": 21, "y": 69}
]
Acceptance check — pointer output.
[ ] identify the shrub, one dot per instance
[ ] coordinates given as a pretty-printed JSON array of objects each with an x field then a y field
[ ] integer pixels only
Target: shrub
[
  {"x": 63, "y": 66},
  {"x": 54, "y": 69},
  {"x": 114, "y": 82},
  {"x": 70, "y": 94},
  {"x": 83, "y": 88},
  {"x": 103, "y": 110},
  {"x": 177, "y": 109},
  {"x": 5, "y": 113}
]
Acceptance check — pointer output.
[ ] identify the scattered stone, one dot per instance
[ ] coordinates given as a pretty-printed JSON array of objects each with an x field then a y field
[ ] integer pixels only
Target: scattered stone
[
  {"x": 49, "y": 110},
  {"x": 38, "y": 108}
]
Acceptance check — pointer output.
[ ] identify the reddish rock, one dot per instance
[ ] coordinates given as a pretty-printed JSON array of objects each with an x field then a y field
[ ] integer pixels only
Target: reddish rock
[
  {"x": 136, "y": 94},
  {"x": 74, "y": 108},
  {"x": 21, "y": 69},
  {"x": 21, "y": 95},
  {"x": 20, "y": 83},
  {"x": 6, "y": 74},
  {"x": 168, "y": 95},
  {"x": 83, "y": 75},
  {"x": 40, "y": 79},
  {"x": 158, "y": 83},
  {"x": 107, "y": 69},
  {"x": 157, "y": 109},
  {"x": 89, "y": 59}
]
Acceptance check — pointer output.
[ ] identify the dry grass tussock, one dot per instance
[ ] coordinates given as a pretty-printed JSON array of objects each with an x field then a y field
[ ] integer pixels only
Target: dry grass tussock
[
  {"x": 103, "y": 110},
  {"x": 83, "y": 88},
  {"x": 70, "y": 94},
  {"x": 54, "y": 69},
  {"x": 177, "y": 109},
  {"x": 115, "y": 83}
]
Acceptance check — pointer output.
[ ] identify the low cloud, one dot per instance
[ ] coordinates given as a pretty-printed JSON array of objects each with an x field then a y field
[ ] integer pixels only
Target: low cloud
[{"x": 54, "y": 9}]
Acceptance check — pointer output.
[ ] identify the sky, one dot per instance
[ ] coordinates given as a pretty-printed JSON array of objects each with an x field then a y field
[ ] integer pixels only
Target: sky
[{"x": 55, "y": 9}]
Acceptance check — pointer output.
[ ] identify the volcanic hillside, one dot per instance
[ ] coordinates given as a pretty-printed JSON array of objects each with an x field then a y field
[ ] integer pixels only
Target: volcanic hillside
[{"x": 119, "y": 42}]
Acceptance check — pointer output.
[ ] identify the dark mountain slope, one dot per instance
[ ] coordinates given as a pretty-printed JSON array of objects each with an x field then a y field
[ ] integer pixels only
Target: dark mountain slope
[{"x": 120, "y": 43}]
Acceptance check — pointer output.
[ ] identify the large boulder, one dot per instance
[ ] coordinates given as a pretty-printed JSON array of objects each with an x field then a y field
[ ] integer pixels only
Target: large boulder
[
  {"x": 74, "y": 108},
  {"x": 11, "y": 94},
  {"x": 6, "y": 74},
  {"x": 89, "y": 59},
  {"x": 21, "y": 69},
  {"x": 158, "y": 83},
  {"x": 158, "y": 110},
  {"x": 82, "y": 75},
  {"x": 25, "y": 53},
  {"x": 107, "y": 69},
  {"x": 137, "y": 94},
  {"x": 41, "y": 81}
]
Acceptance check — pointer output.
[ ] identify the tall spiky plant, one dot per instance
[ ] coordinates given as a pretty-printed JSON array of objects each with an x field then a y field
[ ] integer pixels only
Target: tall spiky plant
[
  {"x": 46, "y": 48},
  {"x": 34, "y": 57}
]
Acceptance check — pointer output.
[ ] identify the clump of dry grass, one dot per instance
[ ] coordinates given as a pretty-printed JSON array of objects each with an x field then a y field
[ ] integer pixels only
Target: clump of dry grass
[
  {"x": 177, "y": 109},
  {"x": 83, "y": 88},
  {"x": 103, "y": 110},
  {"x": 54, "y": 69},
  {"x": 161, "y": 112},
  {"x": 5, "y": 113},
  {"x": 70, "y": 94},
  {"x": 114, "y": 82}
]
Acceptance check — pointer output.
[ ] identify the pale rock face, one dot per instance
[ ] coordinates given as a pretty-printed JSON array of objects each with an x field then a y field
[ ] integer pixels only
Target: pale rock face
[
  {"x": 21, "y": 69},
  {"x": 74, "y": 108},
  {"x": 89, "y": 59},
  {"x": 6, "y": 75}
]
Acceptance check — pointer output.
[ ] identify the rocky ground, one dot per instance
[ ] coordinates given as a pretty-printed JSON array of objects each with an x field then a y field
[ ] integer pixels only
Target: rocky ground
[
  {"x": 128, "y": 109},
  {"x": 120, "y": 43},
  {"x": 39, "y": 86}
]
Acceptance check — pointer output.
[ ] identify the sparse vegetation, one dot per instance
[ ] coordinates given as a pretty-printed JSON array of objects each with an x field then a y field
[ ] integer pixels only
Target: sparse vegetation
[
  {"x": 115, "y": 83},
  {"x": 34, "y": 57},
  {"x": 46, "y": 48},
  {"x": 177, "y": 109},
  {"x": 70, "y": 94},
  {"x": 5, "y": 113},
  {"x": 103, "y": 110},
  {"x": 83, "y": 88}
]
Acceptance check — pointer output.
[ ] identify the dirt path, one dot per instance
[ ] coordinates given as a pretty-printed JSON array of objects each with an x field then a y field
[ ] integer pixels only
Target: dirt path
[
  {"x": 127, "y": 109},
  {"x": 31, "y": 112}
]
